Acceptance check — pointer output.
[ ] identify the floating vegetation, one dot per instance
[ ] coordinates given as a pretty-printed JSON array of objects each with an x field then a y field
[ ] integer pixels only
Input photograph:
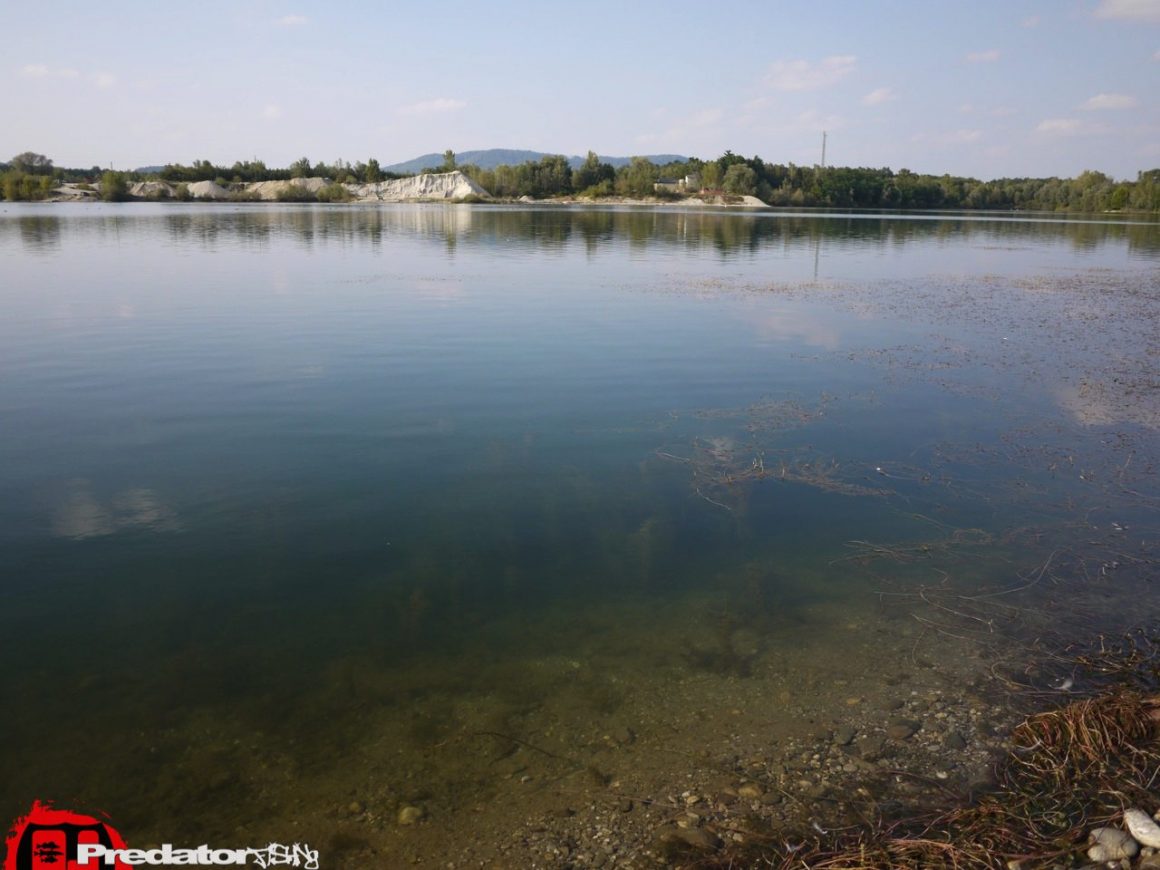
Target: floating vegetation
[{"x": 723, "y": 466}]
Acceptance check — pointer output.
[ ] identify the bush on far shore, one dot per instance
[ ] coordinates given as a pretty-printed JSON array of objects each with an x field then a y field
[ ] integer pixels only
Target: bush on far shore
[{"x": 114, "y": 187}]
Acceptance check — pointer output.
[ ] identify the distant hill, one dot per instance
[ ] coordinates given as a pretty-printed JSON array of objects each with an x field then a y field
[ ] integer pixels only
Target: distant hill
[
  {"x": 149, "y": 170},
  {"x": 493, "y": 157}
]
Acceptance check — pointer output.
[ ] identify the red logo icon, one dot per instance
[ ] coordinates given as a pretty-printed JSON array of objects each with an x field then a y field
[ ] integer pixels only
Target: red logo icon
[{"x": 47, "y": 839}]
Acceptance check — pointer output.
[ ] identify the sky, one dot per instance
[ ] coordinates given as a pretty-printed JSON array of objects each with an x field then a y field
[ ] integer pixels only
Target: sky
[{"x": 986, "y": 88}]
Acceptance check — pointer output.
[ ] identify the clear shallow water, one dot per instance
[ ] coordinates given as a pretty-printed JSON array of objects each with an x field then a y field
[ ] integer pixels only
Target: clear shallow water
[{"x": 276, "y": 466}]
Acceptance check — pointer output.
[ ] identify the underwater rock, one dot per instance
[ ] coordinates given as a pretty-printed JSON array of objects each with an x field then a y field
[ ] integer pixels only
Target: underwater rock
[
  {"x": 409, "y": 814},
  {"x": 954, "y": 741},
  {"x": 696, "y": 838},
  {"x": 845, "y": 735},
  {"x": 871, "y": 746},
  {"x": 1110, "y": 844},
  {"x": 901, "y": 729},
  {"x": 1146, "y": 831}
]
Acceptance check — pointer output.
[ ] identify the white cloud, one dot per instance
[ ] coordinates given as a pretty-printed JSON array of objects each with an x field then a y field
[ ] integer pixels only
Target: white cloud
[
  {"x": 878, "y": 96},
  {"x": 431, "y": 107},
  {"x": 104, "y": 80},
  {"x": 802, "y": 75},
  {"x": 292, "y": 20},
  {"x": 1032, "y": 21},
  {"x": 272, "y": 112},
  {"x": 989, "y": 56},
  {"x": 1059, "y": 126},
  {"x": 1110, "y": 101},
  {"x": 1134, "y": 10},
  {"x": 40, "y": 71},
  {"x": 1156, "y": 55}
]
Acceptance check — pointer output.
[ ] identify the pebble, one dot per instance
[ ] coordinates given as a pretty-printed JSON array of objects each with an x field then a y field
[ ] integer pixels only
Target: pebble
[
  {"x": 901, "y": 729},
  {"x": 845, "y": 735},
  {"x": 870, "y": 747},
  {"x": 1110, "y": 844},
  {"x": 750, "y": 790},
  {"x": 698, "y": 838},
  {"x": 954, "y": 741},
  {"x": 409, "y": 814}
]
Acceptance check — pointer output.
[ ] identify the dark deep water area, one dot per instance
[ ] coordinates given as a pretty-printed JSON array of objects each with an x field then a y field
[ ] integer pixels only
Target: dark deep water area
[{"x": 304, "y": 509}]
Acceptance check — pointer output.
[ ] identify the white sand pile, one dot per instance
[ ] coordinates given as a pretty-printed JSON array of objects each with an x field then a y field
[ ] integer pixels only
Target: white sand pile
[
  {"x": 727, "y": 201},
  {"x": 151, "y": 189},
  {"x": 444, "y": 185},
  {"x": 272, "y": 190},
  {"x": 207, "y": 190},
  {"x": 72, "y": 192}
]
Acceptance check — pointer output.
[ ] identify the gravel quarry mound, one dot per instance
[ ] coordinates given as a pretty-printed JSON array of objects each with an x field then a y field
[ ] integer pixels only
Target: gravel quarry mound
[
  {"x": 207, "y": 190},
  {"x": 272, "y": 190},
  {"x": 443, "y": 185},
  {"x": 151, "y": 190},
  {"x": 420, "y": 188}
]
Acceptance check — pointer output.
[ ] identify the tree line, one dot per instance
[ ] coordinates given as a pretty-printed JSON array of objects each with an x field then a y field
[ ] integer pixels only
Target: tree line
[
  {"x": 30, "y": 176},
  {"x": 824, "y": 187},
  {"x": 247, "y": 171}
]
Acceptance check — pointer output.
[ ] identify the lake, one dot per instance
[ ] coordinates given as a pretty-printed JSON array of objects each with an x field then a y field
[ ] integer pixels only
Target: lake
[{"x": 311, "y": 515}]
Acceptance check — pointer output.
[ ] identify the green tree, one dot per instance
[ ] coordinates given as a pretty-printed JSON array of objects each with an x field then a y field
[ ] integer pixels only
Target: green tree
[
  {"x": 592, "y": 174},
  {"x": 300, "y": 168},
  {"x": 740, "y": 180},
  {"x": 449, "y": 164},
  {"x": 114, "y": 187},
  {"x": 32, "y": 163},
  {"x": 637, "y": 178},
  {"x": 373, "y": 174}
]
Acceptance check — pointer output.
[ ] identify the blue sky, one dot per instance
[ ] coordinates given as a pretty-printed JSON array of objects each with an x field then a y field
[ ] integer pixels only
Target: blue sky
[{"x": 980, "y": 88}]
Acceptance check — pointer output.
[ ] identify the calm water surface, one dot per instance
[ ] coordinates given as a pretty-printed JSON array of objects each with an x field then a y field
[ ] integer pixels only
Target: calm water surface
[{"x": 272, "y": 466}]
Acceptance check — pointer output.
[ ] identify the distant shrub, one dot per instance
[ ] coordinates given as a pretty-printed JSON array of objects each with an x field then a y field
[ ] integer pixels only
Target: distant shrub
[
  {"x": 595, "y": 191},
  {"x": 296, "y": 193},
  {"x": 16, "y": 185},
  {"x": 181, "y": 193},
  {"x": 470, "y": 199},
  {"x": 243, "y": 195},
  {"x": 114, "y": 187},
  {"x": 334, "y": 192}
]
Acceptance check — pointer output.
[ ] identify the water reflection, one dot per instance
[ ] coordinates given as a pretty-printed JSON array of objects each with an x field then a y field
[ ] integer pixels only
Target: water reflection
[
  {"x": 81, "y": 514},
  {"x": 548, "y": 228},
  {"x": 40, "y": 233}
]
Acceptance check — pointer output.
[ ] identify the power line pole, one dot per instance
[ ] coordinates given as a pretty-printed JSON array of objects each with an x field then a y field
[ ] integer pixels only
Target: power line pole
[{"x": 823, "y": 149}]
